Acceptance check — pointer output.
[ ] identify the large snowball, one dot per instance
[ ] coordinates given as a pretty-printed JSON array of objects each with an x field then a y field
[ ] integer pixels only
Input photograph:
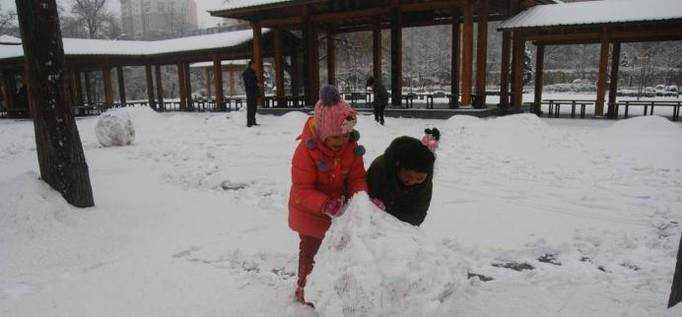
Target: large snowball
[
  {"x": 115, "y": 128},
  {"x": 371, "y": 264}
]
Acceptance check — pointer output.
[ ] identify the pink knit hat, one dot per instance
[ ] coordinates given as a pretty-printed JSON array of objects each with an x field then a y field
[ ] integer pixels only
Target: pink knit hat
[{"x": 333, "y": 116}]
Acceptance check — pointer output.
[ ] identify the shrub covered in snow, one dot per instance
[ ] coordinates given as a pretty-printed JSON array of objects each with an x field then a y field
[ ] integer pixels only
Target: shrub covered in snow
[
  {"x": 115, "y": 128},
  {"x": 371, "y": 264}
]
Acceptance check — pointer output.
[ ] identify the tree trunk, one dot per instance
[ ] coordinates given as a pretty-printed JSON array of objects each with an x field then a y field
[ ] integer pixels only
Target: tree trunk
[{"x": 60, "y": 152}]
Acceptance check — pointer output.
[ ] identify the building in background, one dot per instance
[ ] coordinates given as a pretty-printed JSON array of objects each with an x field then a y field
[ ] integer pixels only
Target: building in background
[{"x": 155, "y": 19}]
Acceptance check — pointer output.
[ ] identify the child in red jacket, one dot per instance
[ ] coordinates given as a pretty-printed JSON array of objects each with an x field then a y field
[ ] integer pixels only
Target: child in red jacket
[{"x": 327, "y": 169}]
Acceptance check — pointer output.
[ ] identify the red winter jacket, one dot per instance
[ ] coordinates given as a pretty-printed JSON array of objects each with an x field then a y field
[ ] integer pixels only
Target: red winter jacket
[{"x": 319, "y": 174}]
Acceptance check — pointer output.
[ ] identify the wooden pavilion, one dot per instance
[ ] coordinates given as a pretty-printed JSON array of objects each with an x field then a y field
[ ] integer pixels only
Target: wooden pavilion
[
  {"x": 329, "y": 17},
  {"x": 84, "y": 56},
  {"x": 608, "y": 23}
]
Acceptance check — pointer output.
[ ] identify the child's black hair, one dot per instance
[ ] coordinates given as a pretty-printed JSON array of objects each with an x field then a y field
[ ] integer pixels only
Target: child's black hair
[{"x": 410, "y": 154}]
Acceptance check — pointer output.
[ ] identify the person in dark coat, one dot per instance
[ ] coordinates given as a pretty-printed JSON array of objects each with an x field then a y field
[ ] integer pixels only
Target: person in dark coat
[
  {"x": 400, "y": 181},
  {"x": 380, "y": 98},
  {"x": 252, "y": 92}
]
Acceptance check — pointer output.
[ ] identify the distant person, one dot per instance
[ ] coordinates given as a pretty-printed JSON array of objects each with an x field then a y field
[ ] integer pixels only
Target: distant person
[
  {"x": 401, "y": 180},
  {"x": 252, "y": 92},
  {"x": 380, "y": 98}
]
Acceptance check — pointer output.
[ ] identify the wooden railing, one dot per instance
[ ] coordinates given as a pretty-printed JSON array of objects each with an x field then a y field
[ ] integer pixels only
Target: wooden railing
[{"x": 554, "y": 107}]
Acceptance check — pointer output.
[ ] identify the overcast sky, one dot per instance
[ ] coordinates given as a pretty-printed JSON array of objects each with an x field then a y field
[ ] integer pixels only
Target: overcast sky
[{"x": 115, "y": 5}]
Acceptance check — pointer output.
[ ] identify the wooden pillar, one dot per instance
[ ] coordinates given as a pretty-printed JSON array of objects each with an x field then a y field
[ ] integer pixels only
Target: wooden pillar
[
  {"x": 539, "y": 67},
  {"x": 376, "y": 53},
  {"x": 78, "y": 87},
  {"x": 88, "y": 88},
  {"x": 467, "y": 51},
  {"x": 218, "y": 83},
  {"x": 601, "y": 82},
  {"x": 518, "y": 49},
  {"x": 232, "y": 80},
  {"x": 121, "y": 86},
  {"x": 396, "y": 57},
  {"x": 58, "y": 144},
  {"x": 279, "y": 69},
  {"x": 182, "y": 87},
  {"x": 455, "y": 59},
  {"x": 159, "y": 89},
  {"x": 481, "y": 54},
  {"x": 504, "y": 70},
  {"x": 8, "y": 90},
  {"x": 150, "y": 86},
  {"x": 311, "y": 79},
  {"x": 258, "y": 57},
  {"x": 207, "y": 75},
  {"x": 188, "y": 87},
  {"x": 108, "y": 89},
  {"x": 613, "y": 87},
  {"x": 295, "y": 74},
  {"x": 331, "y": 57}
]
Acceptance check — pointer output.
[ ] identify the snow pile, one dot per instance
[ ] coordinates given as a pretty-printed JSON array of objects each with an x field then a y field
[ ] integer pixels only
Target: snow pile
[
  {"x": 371, "y": 264},
  {"x": 645, "y": 125},
  {"x": 115, "y": 128}
]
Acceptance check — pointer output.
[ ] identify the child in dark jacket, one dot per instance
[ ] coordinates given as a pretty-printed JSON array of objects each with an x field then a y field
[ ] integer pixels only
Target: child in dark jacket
[
  {"x": 400, "y": 181},
  {"x": 327, "y": 169}
]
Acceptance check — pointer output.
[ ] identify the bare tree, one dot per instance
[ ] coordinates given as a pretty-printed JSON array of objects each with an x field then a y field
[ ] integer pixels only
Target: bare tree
[
  {"x": 58, "y": 144},
  {"x": 93, "y": 14},
  {"x": 7, "y": 21}
]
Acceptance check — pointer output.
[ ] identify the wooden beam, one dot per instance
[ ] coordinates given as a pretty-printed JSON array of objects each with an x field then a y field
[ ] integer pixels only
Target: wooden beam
[
  {"x": 218, "y": 83},
  {"x": 331, "y": 56},
  {"x": 279, "y": 68},
  {"x": 481, "y": 54},
  {"x": 396, "y": 58},
  {"x": 182, "y": 87},
  {"x": 455, "y": 58},
  {"x": 601, "y": 82},
  {"x": 518, "y": 49},
  {"x": 539, "y": 66},
  {"x": 504, "y": 70},
  {"x": 150, "y": 86},
  {"x": 376, "y": 53},
  {"x": 159, "y": 89},
  {"x": 258, "y": 57},
  {"x": 613, "y": 87},
  {"x": 121, "y": 85},
  {"x": 467, "y": 52},
  {"x": 108, "y": 89}
]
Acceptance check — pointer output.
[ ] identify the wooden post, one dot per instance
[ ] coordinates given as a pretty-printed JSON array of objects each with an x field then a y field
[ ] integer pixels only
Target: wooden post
[
  {"x": 311, "y": 79},
  {"x": 331, "y": 57},
  {"x": 601, "y": 82},
  {"x": 218, "y": 83},
  {"x": 188, "y": 87},
  {"x": 482, "y": 54},
  {"x": 8, "y": 90},
  {"x": 182, "y": 87},
  {"x": 467, "y": 51},
  {"x": 295, "y": 74},
  {"x": 150, "y": 86},
  {"x": 518, "y": 49},
  {"x": 78, "y": 87},
  {"x": 376, "y": 53},
  {"x": 108, "y": 89},
  {"x": 396, "y": 57},
  {"x": 60, "y": 151},
  {"x": 121, "y": 86},
  {"x": 279, "y": 69},
  {"x": 613, "y": 87},
  {"x": 159, "y": 89},
  {"x": 258, "y": 57},
  {"x": 504, "y": 71},
  {"x": 539, "y": 67},
  {"x": 88, "y": 88},
  {"x": 455, "y": 59},
  {"x": 232, "y": 81},
  {"x": 207, "y": 75}
]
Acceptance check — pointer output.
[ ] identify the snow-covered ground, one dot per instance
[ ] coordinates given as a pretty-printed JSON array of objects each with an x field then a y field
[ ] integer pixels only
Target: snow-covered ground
[{"x": 191, "y": 220}]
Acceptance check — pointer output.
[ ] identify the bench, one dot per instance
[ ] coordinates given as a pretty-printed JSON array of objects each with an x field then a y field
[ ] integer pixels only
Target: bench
[{"x": 554, "y": 106}]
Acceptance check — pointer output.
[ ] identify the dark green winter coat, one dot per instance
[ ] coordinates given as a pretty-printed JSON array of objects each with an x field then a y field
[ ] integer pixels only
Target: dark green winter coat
[
  {"x": 380, "y": 96},
  {"x": 407, "y": 203}
]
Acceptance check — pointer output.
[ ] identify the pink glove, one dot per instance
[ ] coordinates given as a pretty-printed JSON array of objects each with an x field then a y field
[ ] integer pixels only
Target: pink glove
[
  {"x": 377, "y": 202},
  {"x": 334, "y": 207}
]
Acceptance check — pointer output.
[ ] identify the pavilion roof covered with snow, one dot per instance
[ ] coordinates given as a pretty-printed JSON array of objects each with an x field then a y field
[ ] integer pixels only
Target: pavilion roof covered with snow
[{"x": 607, "y": 22}]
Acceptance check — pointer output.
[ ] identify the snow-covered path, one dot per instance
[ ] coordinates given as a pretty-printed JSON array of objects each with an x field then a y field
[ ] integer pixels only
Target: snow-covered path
[{"x": 191, "y": 220}]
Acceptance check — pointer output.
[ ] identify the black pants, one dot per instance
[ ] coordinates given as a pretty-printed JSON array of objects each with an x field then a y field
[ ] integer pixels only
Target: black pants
[
  {"x": 379, "y": 114},
  {"x": 251, "y": 110}
]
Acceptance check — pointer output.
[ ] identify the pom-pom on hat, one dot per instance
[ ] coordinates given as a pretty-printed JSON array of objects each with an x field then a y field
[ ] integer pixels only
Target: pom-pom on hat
[{"x": 333, "y": 116}]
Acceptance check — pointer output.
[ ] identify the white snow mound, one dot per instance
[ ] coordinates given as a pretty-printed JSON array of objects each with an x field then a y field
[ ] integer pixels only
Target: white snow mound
[
  {"x": 371, "y": 264},
  {"x": 645, "y": 125},
  {"x": 115, "y": 128}
]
